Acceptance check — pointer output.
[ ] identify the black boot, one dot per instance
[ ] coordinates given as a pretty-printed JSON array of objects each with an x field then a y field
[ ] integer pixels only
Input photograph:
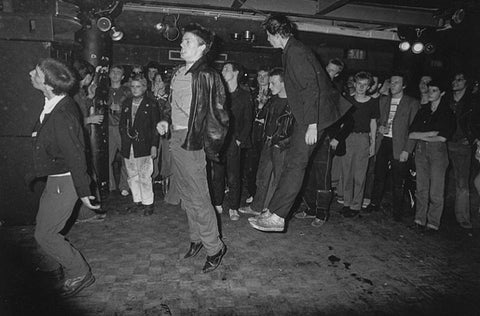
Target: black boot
[
  {"x": 194, "y": 249},
  {"x": 214, "y": 261}
]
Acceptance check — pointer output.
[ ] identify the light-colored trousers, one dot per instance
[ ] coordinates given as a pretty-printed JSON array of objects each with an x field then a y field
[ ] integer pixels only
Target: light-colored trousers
[{"x": 139, "y": 171}]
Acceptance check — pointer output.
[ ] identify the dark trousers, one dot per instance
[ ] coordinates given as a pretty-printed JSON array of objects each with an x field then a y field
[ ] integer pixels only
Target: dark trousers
[
  {"x": 56, "y": 206},
  {"x": 268, "y": 175},
  {"x": 431, "y": 162},
  {"x": 383, "y": 159},
  {"x": 461, "y": 156},
  {"x": 231, "y": 168},
  {"x": 291, "y": 179},
  {"x": 317, "y": 191},
  {"x": 252, "y": 159}
]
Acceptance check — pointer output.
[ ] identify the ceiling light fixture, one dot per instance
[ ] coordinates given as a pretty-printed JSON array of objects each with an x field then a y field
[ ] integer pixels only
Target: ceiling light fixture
[
  {"x": 417, "y": 47},
  {"x": 116, "y": 34},
  {"x": 404, "y": 46}
]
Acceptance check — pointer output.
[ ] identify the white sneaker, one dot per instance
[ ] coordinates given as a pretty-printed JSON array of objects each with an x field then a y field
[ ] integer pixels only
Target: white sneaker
[
  {"x": 263, "y": 214},
  {"x": 249, "y": 200},
  {"x": 234, "y": 215},
  {"x": 219, "y": 209},
  {"x": 124, "y": 193},
  {"x": 365, "y": 203},
  {"x": 248, "y": 210},
  {"x": 272, "y": 223}
]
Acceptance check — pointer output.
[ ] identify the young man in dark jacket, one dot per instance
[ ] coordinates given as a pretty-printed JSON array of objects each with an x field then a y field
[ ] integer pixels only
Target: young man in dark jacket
[
  {"x": 240, "y": 109},
  {"x": 308, "y": 90},
  {"x": 195, "y": 113},
  {"x": 59, "y": 154}
]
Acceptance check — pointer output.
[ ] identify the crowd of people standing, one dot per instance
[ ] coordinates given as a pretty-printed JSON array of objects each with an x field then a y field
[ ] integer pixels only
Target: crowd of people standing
[{"x": 296, "y": 138}]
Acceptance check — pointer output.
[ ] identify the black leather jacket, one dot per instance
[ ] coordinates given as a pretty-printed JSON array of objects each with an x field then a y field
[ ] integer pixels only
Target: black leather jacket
[{"x": 208, "y": 120}]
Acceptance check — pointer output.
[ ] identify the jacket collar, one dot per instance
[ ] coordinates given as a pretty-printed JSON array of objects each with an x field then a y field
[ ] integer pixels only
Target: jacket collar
[
  {"x": 197, "y": 64},
  {"x": 290, "y": 42}
]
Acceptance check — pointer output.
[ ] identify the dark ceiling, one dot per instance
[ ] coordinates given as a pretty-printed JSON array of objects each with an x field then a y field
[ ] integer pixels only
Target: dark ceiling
[{"x": 319, "y": 22}]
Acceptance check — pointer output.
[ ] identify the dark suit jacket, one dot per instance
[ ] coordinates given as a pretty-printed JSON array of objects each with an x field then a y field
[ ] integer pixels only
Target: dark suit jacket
[
  {"x": 58, "y": 145},
  {"x": 311, "y": 95},
  {"x": 406, "y": 111},
  {"x": 144, "y": 126},
  {"x": 241, "y": 110}
]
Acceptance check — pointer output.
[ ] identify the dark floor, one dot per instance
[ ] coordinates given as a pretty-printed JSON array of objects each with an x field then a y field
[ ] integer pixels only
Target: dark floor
[{"x": 369, "y": 265}]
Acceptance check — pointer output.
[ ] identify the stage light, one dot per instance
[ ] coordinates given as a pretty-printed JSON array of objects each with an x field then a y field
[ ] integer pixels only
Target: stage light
[
  {"x": 417, "y": 47},
  {"x": 429, "y": 48},
  {"x": 404, "y": 46},
  {"x": 115, "y": 34},
  {"x": 104, "y": 24},
  {"x": 458, "y": 16}
]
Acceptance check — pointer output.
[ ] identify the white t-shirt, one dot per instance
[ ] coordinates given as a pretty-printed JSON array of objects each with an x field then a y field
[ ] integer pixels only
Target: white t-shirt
[{"x": 393, "y": 110}]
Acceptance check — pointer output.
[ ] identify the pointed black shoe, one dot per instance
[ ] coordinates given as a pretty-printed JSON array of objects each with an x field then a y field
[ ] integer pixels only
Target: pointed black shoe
[
  {"x": 194, "y": 250},
  {"x": 214, "y": 261},
  {"x": 148, "y": 210}
]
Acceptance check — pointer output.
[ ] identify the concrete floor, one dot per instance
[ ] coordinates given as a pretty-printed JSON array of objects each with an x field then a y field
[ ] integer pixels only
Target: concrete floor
[{"x": 369, "y": 265}]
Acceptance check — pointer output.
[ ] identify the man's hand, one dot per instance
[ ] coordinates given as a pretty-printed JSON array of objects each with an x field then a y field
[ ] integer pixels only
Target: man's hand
[
  {"x": 94, "y": 119},
  {"x": 334, "y": 144},
  {"x": 238, "y": 142},
  {"x": 404, "y": 156},
  {"x": 153, "y": 152},
  {"x": 162, "y": 127},
  {"x": 311, "y": 134},
  {"x": 86, "y": 201},
  {"x": 382, "y": 129}
]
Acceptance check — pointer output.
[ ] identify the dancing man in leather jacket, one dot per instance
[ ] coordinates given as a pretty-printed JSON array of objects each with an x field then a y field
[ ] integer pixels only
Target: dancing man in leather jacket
[{"x": 199, "y": 123}]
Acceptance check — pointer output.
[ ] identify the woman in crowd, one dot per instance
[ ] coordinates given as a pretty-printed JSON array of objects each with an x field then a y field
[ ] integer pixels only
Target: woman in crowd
[{"x": 433, "y": 125}]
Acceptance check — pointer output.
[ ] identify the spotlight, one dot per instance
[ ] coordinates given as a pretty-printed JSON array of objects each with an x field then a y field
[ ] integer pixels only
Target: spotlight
[
  {"x": 458, "y": 16},
  {"x": 417, "y": 47},
  {"x": 404, "y": 46},
  {"x": 104, "y": 24},
  {"x": 115, "y": 34},
  {"x": 429, "y": 48},
  {"x": 160, "y": 27}
]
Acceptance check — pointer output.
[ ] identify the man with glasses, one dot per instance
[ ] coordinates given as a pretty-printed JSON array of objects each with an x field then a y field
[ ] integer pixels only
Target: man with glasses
[{"x": 460, "y": 148}]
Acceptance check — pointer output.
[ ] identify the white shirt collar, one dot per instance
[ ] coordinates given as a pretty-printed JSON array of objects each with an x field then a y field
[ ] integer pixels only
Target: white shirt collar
[{"x": 50, "y": 105}]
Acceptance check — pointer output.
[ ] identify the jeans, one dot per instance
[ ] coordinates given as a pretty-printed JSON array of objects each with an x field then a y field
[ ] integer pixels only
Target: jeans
[
  {"x": 318, "y": 190},
  {"x": 252, "y": 160},
  {"x": 268, "y": 175},
  {"x": 231, "y": 167},
  {"x": 460, "y": 156},
  {"x": 431, "y": 162},
  {"x": 399, "y": 172},
  {"x": 354, "y": 166},
  {"x": 291, "y": 179}
]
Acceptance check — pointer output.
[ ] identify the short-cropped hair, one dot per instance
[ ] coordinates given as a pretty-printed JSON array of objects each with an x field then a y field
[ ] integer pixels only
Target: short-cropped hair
[
  {"x": 57, "y": 75},
  {"x": 277, "y": 71},
  {"x": 120, "y": 67},
  {"x": 236, "y": 67},
  {"x": 337, "y": 62},
  {"x": 443, "y": 85},
  {"x": 141, "y": 79},
  {"x": 363, "y": 75},
  {"x": 278, "y": 24},
  {"x": 205, "y": 35}
]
